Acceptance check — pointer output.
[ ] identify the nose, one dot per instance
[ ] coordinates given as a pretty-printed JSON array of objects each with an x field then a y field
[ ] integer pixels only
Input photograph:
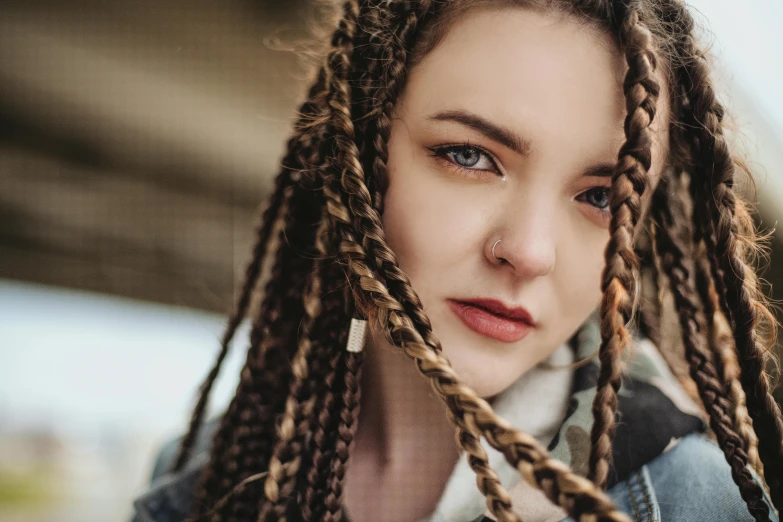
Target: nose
[{"x": 527, "y": 242}]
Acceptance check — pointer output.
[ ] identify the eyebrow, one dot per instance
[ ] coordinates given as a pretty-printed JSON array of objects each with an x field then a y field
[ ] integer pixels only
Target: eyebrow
[
  {"x": 497, "y": 133},
  {"x": 604, "y": 170}
]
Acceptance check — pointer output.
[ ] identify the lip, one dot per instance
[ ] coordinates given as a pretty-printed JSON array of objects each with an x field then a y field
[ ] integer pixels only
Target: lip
[{"x": 493, "y": 318}]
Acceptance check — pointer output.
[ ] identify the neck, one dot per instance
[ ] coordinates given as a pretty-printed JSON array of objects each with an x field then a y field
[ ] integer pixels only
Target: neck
[{"x": 404, "y": 442}]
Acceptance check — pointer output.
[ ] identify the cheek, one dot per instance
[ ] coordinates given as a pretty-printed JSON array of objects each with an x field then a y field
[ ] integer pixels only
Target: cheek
[
  {"x": 582, "y": 267},
  {"x": 422, "y": 231},
  {"x": 429, "y": 226}
]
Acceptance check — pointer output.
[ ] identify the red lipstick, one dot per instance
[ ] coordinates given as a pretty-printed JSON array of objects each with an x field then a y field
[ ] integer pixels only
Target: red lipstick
[{"x": 493, "y": 318}]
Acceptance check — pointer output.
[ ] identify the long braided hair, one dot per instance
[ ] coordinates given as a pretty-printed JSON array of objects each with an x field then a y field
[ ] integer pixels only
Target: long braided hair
[{"x": 283, "y": 444}]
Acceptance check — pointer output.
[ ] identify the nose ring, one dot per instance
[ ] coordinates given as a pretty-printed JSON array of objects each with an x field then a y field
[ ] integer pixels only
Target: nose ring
[{"x": 493, "y": 251}]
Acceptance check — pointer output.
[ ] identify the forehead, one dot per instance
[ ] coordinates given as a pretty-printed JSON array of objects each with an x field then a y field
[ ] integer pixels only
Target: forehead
[{"x": 542, "y": 73}]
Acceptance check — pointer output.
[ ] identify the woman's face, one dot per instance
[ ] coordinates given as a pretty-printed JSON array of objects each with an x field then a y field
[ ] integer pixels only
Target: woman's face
[{"x": 508, "y": 130}]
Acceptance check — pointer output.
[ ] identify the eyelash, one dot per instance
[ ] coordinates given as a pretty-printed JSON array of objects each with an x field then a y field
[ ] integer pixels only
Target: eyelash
[{"x": 441, "y": 152}]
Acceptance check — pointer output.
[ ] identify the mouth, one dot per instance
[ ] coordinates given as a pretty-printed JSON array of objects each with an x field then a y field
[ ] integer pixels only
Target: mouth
[{"x": 493, "y": 318}]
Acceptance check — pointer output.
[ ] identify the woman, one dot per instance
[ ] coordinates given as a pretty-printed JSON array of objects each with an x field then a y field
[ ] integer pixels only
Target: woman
[{"x": 454, "y": 186}]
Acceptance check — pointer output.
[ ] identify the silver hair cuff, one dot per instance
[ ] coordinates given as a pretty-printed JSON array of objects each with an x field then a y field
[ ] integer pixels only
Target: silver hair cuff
[{"x": 356, "y": 335}]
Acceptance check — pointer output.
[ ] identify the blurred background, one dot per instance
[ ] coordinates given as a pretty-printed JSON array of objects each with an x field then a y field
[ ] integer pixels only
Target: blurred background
[{"x": 137, "y": 139}]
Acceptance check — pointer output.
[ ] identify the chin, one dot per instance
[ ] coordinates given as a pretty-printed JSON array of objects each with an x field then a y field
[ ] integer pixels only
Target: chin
[
  {"x": 489, "y": 391},
  {"x": 489, "y": 367},
  {"x": 486, "y": 377}
]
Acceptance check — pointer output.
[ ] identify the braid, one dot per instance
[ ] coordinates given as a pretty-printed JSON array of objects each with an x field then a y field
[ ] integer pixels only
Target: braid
[
  {"x": 687, "y": 49},
  {"x": 739, "y": 298},
  {"x": 256, "y": 430},
  {"x": 322, "y": 442},
  {"x": 760, "y": 402},
  {"x": 726, "y": 362},
  {"x": 707, "y": 295},
  {"x": 742, "y": 422},
  {"x": 369, "y": 45},
  {"x": 278, "y": 205},
  {"x": 712, "y": 392},
  {"x": 339, "y": 64},
  {"x": 285, "y": 460},
  {"x": 651, "y": 306},
  {"x": 328, "y": 339},
  {"x": 210, "y": 485},
  {"x": 384, "y": 96},
  {"x": 250, "y": 409},
  {"x": 315, "y": 472},
  {"x": 245, "y": 439},
  {"x": 619, "y": 277},
  {"x": 736, "y": 285},
  {"x": 739, "y": 414},
  {"x": 488, "y": 482},
  {"x": 709, "y": 277},
  {"x": 346, "y": 431},
  {"x": 267, "y": 372},
  {"x": 270, "y": 371}
]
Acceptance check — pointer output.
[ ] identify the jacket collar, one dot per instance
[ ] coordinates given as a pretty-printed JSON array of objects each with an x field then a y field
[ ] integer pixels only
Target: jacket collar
[{"x": 171, "y": 494}]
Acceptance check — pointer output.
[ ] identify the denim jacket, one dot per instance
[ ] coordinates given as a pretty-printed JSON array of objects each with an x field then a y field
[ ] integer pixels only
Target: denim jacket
[{"x": 665, "y": 468}]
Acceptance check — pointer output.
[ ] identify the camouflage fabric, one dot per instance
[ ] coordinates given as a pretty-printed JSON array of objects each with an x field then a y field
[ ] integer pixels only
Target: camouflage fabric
[{"x": 654, "y": 412}]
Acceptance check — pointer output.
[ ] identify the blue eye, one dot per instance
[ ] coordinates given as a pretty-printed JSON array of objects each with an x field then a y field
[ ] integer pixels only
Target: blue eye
[
  {"x": 596, "y": 196},
  {"x": 466, "y": 157}
]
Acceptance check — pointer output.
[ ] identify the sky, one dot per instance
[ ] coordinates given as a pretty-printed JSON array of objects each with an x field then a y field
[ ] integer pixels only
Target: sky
[{"x": 77, "y": 363}]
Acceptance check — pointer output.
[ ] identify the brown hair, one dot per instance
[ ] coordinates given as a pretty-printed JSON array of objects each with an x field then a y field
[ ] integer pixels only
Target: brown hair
[{"x": 283, "y": 444}]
